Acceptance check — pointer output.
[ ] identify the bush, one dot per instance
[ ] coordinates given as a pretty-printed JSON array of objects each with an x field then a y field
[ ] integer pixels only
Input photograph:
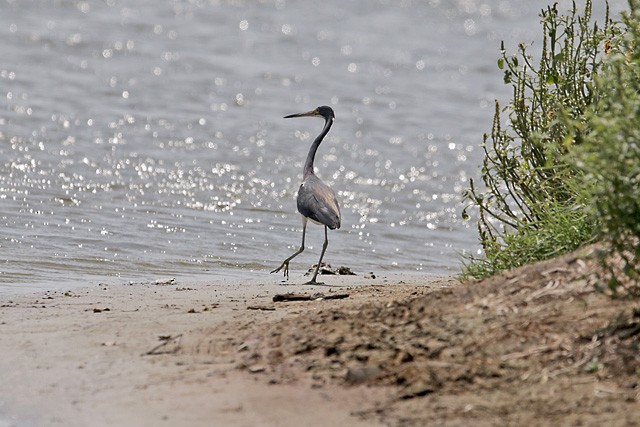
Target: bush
[
  {"x": 609, "y": 154},
  {"x": 531, "y": 207}
]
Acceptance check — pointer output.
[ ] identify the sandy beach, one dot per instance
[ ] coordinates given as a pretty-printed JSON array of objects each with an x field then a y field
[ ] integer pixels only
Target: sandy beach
[
  {"x": 164, "y": 353},
  {"x": 534, "y": 346}
]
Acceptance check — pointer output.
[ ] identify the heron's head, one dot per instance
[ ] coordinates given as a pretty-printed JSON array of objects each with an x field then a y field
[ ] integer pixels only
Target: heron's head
[{"x": 324, "y": 111}]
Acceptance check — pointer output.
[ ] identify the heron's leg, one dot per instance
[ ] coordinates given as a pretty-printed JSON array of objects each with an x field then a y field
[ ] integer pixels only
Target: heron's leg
[
  {"x": 285, "y": 263},
  {"x": 324, "y": 248}
]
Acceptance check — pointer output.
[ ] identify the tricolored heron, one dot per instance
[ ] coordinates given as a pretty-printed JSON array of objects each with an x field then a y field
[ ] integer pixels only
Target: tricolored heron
[{"x": 316, "y": 200}]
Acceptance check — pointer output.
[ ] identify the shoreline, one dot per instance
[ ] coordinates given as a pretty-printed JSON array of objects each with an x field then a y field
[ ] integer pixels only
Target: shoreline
[
  {"x": 537, "y": 344},
  {"x": 259, "y": 277},
  {"x": 164, "y": 352}
]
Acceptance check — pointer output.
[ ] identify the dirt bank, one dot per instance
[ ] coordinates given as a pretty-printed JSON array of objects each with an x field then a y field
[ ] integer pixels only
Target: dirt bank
[{"x": 536, "y": 346}]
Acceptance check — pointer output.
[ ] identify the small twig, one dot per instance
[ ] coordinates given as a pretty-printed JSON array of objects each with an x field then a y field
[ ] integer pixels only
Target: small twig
[
  {"x": 261, "y": 307},
  {"x": 555, "y": 270},
  {"x": 531, "y": 351},
  {"x": 576, "y": 365},
  {"x": 166, "y": 340}
]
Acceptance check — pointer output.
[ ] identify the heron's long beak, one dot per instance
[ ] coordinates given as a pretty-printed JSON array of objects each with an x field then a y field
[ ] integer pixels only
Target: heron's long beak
[{"x": 312, "y": 113}]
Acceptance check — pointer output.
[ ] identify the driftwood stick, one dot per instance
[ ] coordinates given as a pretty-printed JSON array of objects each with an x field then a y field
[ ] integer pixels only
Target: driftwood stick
[
  {"x": 291, "y": 297},
  {"x": 303, "y": 297},
  {"x": 330, "y": 296}
]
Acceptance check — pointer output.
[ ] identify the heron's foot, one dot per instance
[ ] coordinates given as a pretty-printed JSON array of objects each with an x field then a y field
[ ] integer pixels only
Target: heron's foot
[
  {"x": 284, "y": 266},
  {"x": 313, "y": 282}
]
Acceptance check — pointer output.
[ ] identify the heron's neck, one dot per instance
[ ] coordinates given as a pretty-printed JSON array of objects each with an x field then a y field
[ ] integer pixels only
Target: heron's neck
[{"x": 308, "y": 164}]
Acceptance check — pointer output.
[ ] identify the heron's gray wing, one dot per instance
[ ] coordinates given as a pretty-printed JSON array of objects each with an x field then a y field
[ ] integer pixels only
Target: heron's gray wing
[{"x": 318, "y": 202}]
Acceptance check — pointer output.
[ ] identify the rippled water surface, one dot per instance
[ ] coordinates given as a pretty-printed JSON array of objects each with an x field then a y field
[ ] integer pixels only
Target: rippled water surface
[{"x": 145, "y": 138}]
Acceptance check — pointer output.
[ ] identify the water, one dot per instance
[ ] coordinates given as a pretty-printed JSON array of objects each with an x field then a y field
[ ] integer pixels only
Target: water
[{"x": 141, "y": 138}]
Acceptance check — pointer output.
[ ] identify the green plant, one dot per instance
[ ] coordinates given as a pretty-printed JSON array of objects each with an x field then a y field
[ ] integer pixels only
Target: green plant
[
  {"x": 609, "y": 154},
  {"x": 529, "y": 194}
]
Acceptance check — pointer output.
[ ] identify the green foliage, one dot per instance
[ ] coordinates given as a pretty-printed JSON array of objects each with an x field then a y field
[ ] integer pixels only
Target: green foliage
[
  {"x": 609, "y": 154},
  {"x": 566, "y": 229},
  {"x": 529, "y": 207}
]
